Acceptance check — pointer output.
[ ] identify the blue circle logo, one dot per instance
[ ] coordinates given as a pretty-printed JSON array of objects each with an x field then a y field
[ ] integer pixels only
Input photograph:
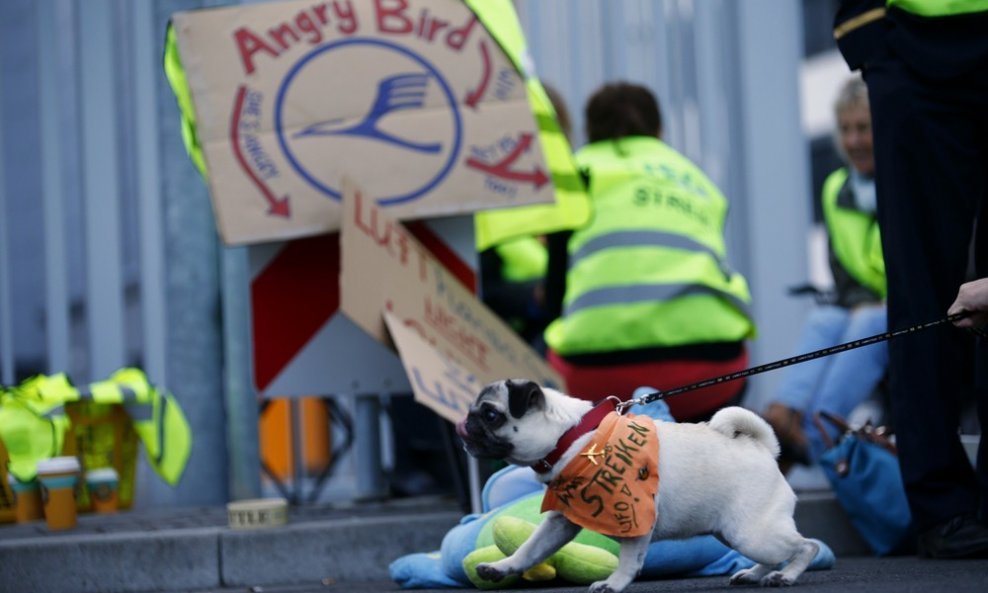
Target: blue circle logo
[{"x": 397, "y": 109}]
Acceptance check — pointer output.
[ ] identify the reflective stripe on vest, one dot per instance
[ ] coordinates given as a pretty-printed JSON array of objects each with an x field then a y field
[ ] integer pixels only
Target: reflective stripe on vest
[
  {"x": 620, "y": 295},
  {"x": 640, "y": 238},
  {"x": 650, "y": 268},
  {"x": 935, "y": 8},
  {"x": 854, "y": 236}
]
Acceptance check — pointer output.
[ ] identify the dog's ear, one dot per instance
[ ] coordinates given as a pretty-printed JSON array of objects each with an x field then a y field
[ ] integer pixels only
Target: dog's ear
[{"x": 523, "y": 396}]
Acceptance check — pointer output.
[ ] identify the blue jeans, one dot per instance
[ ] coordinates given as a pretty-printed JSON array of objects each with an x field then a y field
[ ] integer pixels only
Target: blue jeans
[{"x": 839, "y": 382}]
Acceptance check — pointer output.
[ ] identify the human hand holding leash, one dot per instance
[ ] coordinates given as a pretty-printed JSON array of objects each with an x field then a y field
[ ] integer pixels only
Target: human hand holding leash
[{"x": 972, "y": 298}]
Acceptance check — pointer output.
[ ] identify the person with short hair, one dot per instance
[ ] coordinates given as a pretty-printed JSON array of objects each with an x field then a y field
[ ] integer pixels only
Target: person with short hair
[{"x": 644, "y": 292}]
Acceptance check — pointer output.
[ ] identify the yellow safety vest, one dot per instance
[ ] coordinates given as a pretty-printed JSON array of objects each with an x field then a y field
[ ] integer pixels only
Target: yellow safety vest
[
  {"x": 572, "y": 207},
  {"x": 935, "y": 8},
  {"x": 854, "y": 236},
  {"x": 650, "y": 270},
  {"x": 33, "y": 420},
  {"x": 180, "y": 86},
  {"x": 522, "y": 259}
]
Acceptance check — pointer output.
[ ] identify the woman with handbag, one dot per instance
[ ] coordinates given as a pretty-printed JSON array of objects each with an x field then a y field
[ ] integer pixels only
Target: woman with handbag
[{"x": 856, "y": 309}]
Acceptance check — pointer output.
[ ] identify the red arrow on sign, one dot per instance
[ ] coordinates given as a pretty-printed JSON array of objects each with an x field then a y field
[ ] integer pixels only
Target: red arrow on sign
[
  {"x": 278, "y": 207},
  {"x": 473, "y": 97},
  {"x": 502, "y": 168}
]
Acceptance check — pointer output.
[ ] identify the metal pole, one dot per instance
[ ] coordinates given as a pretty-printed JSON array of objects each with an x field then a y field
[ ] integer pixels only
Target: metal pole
[
  {"x": 298, "y": 445},
  {"x": 240, "y": 398},
  {"x": 101, "y": 187},
  {"x": 52, "y": 194},
  {"x": 367, "y": 448},
  {"x": 6, "y": 321}
]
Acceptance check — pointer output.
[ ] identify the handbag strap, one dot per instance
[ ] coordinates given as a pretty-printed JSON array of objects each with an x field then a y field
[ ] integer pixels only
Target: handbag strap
[
  {"x": 837, "y": 421},
  {"x": 868, "y": 433}
]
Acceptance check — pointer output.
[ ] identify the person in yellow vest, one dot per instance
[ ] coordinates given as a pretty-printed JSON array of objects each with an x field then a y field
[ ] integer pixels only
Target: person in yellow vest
[
  {"x": 643, "y": 292},
  {"x": 512, "y": 272},
  {"x": 926, "y": 66},
  {"x": 855, "y": 309}
]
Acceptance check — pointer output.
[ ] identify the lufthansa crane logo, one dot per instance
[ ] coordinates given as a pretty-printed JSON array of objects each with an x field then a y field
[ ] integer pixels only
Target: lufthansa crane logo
[{"x": 396, "y": 118}]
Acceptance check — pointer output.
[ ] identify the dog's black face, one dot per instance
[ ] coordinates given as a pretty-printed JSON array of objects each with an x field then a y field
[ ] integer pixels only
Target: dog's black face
[{"x": 491, "y": 428}]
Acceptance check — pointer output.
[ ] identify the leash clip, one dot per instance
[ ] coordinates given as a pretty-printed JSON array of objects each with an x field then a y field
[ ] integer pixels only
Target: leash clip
[{"x": 622, "y": 406}]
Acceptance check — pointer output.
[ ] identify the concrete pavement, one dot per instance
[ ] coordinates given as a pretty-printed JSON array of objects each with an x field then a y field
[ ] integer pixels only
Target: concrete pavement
[{"x": 192, "y": 549}]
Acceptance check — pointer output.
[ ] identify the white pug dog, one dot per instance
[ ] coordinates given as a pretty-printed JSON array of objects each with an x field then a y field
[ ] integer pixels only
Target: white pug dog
[{"x": 719, "y": 477}]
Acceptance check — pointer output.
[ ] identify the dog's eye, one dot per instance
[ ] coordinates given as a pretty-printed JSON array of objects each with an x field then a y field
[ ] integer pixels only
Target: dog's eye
[{"x": 491, "y": 415}]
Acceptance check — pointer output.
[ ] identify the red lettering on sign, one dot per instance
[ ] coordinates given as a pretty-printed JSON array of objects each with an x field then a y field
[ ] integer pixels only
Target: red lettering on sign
[
  {"x": 457, "y": 38},
  {"x": 305, "y": 26},
  {"x": 393, "y": 19},
  {"x": 449, "y": 326},
  {"x": 248, "y": 44}
]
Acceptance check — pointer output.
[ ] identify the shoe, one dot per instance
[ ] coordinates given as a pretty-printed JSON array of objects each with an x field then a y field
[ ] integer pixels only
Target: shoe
[
  {"x": 788, "y": 426},
  {"x": 963, "y": 536}
]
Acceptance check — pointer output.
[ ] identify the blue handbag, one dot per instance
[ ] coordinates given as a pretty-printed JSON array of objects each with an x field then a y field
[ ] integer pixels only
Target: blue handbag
[{"x": 863, "y": 470}]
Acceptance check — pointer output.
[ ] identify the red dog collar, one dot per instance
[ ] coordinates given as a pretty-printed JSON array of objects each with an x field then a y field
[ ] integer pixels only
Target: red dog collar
[{"x": 590, "y": 421}]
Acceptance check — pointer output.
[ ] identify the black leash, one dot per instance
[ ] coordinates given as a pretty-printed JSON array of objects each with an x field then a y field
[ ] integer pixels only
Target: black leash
[{"x": 651, "y": 397}]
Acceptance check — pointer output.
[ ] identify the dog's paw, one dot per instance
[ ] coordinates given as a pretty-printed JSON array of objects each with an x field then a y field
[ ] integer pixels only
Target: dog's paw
[
  {"x": 489, "y": 573},
  {"x": 744, "y": 577},
  {"x": 603, "y": 587},
  {"x": 776, "y": 578}
]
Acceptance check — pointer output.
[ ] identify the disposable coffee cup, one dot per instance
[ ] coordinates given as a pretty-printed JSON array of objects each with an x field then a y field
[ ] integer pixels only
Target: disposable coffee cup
[
  {"x": 102, "y": 484},
  {"x": 27, "y": 499},
  {"x": 59, "y": 477},
  {"x": 257, "y": 513}
]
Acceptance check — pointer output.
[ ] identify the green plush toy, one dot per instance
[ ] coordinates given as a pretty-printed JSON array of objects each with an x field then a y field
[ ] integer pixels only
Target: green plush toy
[{"x": 576, "y": 562}]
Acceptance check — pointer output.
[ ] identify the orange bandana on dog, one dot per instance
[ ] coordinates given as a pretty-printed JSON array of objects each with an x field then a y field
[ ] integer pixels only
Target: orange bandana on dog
[{"x": 610, "y": 486}]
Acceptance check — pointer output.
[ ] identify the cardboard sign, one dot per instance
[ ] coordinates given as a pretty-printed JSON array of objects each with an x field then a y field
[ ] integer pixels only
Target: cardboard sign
[
  {"x": 413, "y": 99},
  {"x": 437, "y": 381},
  {"x": 384, "y": 269}
]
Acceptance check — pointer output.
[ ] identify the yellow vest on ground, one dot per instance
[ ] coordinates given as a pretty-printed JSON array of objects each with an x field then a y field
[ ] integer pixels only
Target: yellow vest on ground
[
  {"x": 650, "y": 270},
  {"x": 854, "y": 236},
  {"x": 33, "y": 420}
]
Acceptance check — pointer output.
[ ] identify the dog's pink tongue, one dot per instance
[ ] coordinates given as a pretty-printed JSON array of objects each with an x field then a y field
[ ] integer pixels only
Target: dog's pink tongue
[{"x": 461, "y": 428}]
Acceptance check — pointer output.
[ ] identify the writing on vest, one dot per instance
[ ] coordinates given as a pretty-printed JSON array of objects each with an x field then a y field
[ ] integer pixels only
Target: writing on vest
[{"x": 610, "y": 486}]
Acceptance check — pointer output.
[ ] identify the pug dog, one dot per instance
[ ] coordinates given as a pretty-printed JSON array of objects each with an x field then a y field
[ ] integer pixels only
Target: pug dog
[{"x": 718, "y": 477}]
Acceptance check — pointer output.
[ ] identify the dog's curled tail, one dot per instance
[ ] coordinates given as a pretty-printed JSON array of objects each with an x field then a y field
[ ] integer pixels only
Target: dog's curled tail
[{"x": 735, "y": 421}]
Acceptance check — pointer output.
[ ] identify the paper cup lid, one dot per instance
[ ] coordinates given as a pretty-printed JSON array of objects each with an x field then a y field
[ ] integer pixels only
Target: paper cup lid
[
  {"x": 58, "y": 465},
  {"x": 102, "y": 474}
]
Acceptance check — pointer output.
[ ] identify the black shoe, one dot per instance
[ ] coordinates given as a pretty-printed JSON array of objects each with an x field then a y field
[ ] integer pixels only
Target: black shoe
[{"x": 964, "y": 536}]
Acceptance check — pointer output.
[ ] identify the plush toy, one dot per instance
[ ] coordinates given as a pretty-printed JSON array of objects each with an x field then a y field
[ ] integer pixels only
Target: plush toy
[
  {"x": 575, "y": 562},
  {"x": 512, "y": 499}
]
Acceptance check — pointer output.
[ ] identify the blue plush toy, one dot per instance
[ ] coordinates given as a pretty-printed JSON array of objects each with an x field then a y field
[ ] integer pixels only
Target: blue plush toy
[{"x": 512, "y": 500}]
